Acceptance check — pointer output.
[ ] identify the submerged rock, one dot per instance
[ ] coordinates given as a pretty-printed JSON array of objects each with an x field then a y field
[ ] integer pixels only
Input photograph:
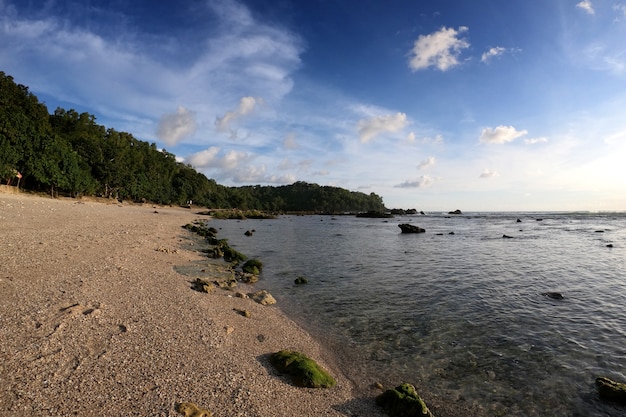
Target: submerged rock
[
  {"x": 553, "y": 295},
  {"x": 403, "y": 401},
  {"x": 409, "y": 228},
  {"x": 611, "y": 390},
  {"x": 304, "y": 371},
  {"x": 300, "y": 281}
]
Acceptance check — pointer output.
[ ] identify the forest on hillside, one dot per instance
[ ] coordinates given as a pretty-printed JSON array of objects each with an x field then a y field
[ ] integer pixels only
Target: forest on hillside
[{"x": 68, "y": 153}]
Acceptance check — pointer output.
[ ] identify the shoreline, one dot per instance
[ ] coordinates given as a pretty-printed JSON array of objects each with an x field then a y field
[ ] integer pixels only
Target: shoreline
[{"x": 96, "y": 321}]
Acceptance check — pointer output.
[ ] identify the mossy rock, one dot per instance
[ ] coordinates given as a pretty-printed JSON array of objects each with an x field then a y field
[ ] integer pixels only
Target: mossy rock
[
  {"x": 403, "y": 401},
  {"x": 253, "y": 266},
  {"x": 610, "y": 390},
  {"x": 304, "y": 371},
  {"x": 300, "y": 281},
  {"x": 231, "y": 255}
]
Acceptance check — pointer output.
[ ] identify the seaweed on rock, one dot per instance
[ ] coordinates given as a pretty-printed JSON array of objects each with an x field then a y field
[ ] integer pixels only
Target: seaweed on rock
[{"x": 304, "y": 371}]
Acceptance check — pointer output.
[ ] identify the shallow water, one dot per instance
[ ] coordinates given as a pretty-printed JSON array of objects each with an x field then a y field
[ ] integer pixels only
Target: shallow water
[{"x": 461, "y": 314}]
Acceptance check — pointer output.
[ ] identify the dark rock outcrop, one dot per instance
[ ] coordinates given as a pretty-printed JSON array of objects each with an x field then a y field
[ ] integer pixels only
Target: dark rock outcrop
[
  {"x": 610, "y": 390},
  {"x": 409, "y": 228},
  {"x": 553, "y": 295},
  {"x": 300, "y": 281},
  {"x": 457, "y": 211}
]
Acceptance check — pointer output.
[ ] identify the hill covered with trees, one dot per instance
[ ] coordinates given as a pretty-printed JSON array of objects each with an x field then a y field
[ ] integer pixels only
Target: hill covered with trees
[{"x": 69, "y": 153}]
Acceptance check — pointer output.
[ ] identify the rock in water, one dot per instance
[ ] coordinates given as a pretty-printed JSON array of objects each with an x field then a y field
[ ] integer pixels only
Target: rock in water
[
  {"x": 611, "y": 390},
  {"x": 403, "y": 401},
  {"x": 409, "y": 228},
  {"x": 554, "y": 295}
]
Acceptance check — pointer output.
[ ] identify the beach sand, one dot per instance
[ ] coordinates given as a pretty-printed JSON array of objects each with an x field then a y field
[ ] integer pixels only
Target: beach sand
[{"x": 95, "y": 321}]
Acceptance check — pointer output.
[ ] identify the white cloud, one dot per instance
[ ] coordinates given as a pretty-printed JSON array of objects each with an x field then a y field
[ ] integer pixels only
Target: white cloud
[
  {"x": 440, "y": 49},
  {"x": 423, "y": 181},
  {"x": 205, "y": 158},
  {"x": 246, "y": 106},
  {"x": 487, "y": 173},
  {"x": 501, "y": 134},
  {"x": 174, "y": 127},
  {"x": 492, "y": 52},
  {"x": 210, "y": 159},
  {"x": 426, "y": 163},
  {"x": 370, "y": 128},
  {"x": 534, "y": 141},
  {"x": 586, "y": 6}
]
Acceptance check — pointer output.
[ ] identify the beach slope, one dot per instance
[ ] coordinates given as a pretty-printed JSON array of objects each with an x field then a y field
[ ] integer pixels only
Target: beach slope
[{"x": 95, "y": 321}]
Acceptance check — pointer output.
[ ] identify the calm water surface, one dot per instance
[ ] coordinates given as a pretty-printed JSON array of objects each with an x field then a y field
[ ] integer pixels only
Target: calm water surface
[{"x": 462, "y": 315}]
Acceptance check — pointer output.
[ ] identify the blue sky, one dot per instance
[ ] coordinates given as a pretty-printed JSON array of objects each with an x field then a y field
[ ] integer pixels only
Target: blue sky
[{"x": 477, "y": 105}]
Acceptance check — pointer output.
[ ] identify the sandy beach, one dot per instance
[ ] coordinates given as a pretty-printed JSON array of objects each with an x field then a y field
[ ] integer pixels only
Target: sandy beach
[{"x": 95, "y": 321}]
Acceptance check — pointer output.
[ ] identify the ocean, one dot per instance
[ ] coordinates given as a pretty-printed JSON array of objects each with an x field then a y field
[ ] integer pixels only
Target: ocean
[{"x": 460, "y": 310}]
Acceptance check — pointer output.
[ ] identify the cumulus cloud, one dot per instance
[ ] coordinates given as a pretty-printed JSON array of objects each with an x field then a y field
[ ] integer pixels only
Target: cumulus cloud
[
  {"x": 440, "y": 49},
  {"x": 534, "y": 141},
  {"x": 211, "y": 158},
  {"x": 501, "y": 134},
  {"x": 174, "y": 127},
  {"x": 370, "y": 128},
  {"x": 205, "y": 158},
  {"x": 246, "y": 106},
  {"x": 492, "y": 52},
  {"x": 423, "y": 181},
  {"x": 586, "y": 6},
  {"x": 487, "y": 173},
  {"x": 428, "y": 162}
]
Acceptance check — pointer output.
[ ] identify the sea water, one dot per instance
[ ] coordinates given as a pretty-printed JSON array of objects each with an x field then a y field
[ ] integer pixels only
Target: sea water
[{"x": 459, "y": 310}]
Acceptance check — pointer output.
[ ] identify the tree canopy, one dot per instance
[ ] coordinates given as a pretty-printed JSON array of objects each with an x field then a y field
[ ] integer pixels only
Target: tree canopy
[{"x": 68, "y": 152}]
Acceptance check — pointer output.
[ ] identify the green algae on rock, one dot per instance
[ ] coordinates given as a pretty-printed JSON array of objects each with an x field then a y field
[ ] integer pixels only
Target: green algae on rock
[
  {"x": 253, "y": 266},
  {"x": 304, "y": 371},
  {"x": 403, "y": 401}
]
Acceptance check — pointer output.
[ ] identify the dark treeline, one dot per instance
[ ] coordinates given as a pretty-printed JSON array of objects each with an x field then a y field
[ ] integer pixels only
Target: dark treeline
[{"x": 69, "y": 153}]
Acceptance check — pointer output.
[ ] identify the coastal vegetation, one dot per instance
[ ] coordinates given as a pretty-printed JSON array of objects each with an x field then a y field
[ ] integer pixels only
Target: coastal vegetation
[{"x": 69, "y": 153}]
